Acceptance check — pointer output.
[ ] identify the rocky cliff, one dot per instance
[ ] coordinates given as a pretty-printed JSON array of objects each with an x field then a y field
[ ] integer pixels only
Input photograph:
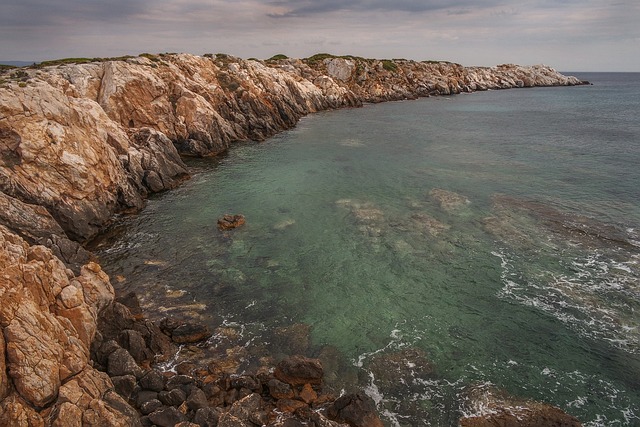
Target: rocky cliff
[{"x": 80, "y": 142}]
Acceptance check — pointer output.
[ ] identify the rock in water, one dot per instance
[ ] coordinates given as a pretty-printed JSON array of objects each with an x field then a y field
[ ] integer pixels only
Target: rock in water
[
  {"x": 299, "y": 370},
  {"x": 228, "y": 222},
  {"x": 357, "y": 410}
]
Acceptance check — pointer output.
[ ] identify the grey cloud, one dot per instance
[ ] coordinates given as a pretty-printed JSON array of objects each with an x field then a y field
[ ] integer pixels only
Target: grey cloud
[
  {"x": 43, "y": 12},
  {"x": 296, "y": 8}
]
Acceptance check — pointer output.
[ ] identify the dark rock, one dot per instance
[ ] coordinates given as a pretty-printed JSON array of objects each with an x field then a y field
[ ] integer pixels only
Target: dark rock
[
  {"x": 116, "y": 403},
  {"x": 190, "y": 333},
  {"x": 145, "y": 396},
  {"x": 150, "y": 406},
  {"x": 146, "y": 422},
  {"x": 231, "y": 396},
  {"x": 280, "y": 390},
  {"x": 124, "y": 385},
  {"x": 173, "y": 397},
  {"x": 228, "y": 420},
  {"x": 289, "y": 405},
  {"x": 243, "y": 408},
  {"x": 246, "y": 381},
  {"x": 293, "y": 339},
  {"x": 101, "y": 355},
  {"x": 299, "y": 370},
  {"x": 134, "y": 343},
  {"x": 166, "y": 417},
  {"x": 114, "y": 319},
  {"x": 168, "y": 324},
  {"x": 320, "y": 420},
  {"x": 357, "y": 410},
  {"x": 197, "y": 399},
  {"x": 131, "y": 301},
  {"x": 158, "y": 342},
  {"x": 228, "y": 221},
  {"x": 152, "y": 380},
  {"x": 180, "y": 381},
  {"x": 120, "y": 363},
  {"x": 207, "y": 417}
]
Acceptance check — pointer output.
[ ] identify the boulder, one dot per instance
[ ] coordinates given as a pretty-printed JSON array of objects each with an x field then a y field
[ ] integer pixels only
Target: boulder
[
  {"x": 190, "y": 333},
  {"x": 228, "y": 222},
  {"x": 299, "y": 370},
  {"x": 120, "y": 362},
  {"x": 166, "y": 417},
  {"x": 357, "y": 410}
]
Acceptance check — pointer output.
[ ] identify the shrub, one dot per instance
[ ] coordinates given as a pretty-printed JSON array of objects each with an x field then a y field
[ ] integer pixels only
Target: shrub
[
  {"x": 278, "y": 57},
  {"x": 389, "y": 65}
]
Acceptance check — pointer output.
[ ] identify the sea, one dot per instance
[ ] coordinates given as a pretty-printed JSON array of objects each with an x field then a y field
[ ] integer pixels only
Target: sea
[{"x": 422, "y": 249}]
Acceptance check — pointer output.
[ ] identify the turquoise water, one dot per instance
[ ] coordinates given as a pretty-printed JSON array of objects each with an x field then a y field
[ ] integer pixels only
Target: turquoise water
[{"x": 497, "y": 234}]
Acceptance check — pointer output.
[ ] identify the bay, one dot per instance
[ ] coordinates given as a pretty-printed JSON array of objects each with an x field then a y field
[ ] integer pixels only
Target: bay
[{"x": 494, "y": 234}]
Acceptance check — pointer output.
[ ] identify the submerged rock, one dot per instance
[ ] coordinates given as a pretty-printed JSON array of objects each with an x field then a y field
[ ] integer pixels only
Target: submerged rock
[
  {"x": 491, "y": 407},
  {"x": 448, "y": 200},
  {"x": 228, "y": 222}
]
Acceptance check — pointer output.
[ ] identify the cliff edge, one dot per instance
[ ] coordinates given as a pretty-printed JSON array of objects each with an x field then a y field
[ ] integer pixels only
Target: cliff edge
[{"x": 80, "y": 142}]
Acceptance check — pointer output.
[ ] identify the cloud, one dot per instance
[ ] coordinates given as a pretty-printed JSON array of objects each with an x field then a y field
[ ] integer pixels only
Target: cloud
[{"x": 297, "y": 8}]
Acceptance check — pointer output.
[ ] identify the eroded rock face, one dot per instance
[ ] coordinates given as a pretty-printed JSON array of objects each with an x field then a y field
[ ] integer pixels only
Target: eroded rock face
[{"x": 48, "y": 321}]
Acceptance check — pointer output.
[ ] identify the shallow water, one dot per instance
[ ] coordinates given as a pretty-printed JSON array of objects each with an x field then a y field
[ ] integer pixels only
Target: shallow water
[{"x": 496, "y": 234}]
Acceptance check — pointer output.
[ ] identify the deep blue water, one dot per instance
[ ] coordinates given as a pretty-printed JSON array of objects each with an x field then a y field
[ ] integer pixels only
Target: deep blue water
[{"x": 497, "y": 234}]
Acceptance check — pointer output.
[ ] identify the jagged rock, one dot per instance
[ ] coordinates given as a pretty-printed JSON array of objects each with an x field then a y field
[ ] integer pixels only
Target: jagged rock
[
  {"x": 299, "y": 370},
  {"x": 166, "y": 417},
  {"x": 228, "y": 420},
  {"x": 207, "y": 417},
  {"x": 120, "y": 362},
  {"x": 134, "y": 343},
  {"x": 152, "y": 380},
  {"x": 150, "y": 406},
  {"x": 124, "y": 385},
  {"x": 197, "y": 399},
  {"x": 190, "y": 333},
  {"x": 308, "y": 394},
  {"x": 14, "y": 411},
  {"x": 182, "y": 382},
  {"x": 357, "y": 410},
  {"x": 228, "y": 221},
  {"x": 146, "y": 396},
  {"x": 173, "y": 397}
]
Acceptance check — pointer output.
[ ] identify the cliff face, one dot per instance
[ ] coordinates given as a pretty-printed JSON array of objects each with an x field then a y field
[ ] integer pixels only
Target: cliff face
[
  {"x": 81, "y": 142},
  {"x": 85, "y": 141}
]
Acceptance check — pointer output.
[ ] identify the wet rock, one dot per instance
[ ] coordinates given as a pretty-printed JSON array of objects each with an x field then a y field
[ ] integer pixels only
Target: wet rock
[
  {"x": 247, "y": 408},
  {"x": 293, "y": 339},
  {"x": 308, "y": 394},
  {"x": 228, "y": 420},
  {"x": 357, "y": 410},
  {"x": 280, "y": 390},
  {"x": 495, "y": 408},
  {"x": 207, "y": 417},
  {"x": 166, "y": 417},
  {"x": 145, "y": 396},
  {"x": 183, "y": 382},
  {"x": 228, "y": 222},
  {"x": 173, "y": 397},
  {"x": 152, "y": 380},
  {"x": 150, "y": 406},
  {"x": 197, "y": 399},
  {"x": 246, "y": 381},
  {"x": 320, "y": 420},
  {"x": 396, "y": 372},
  {"x": 131, "y": 301},
  {"x": 190, "y": 333},
  {"x": 289, "y": 405},
  {"x": 299, "y": 370}
]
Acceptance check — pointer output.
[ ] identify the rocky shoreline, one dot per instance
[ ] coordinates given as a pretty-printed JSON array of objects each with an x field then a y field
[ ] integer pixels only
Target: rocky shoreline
[{"x": 82, "y": 142}]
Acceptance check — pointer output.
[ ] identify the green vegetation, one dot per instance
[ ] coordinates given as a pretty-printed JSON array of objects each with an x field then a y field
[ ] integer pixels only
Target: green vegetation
[
  {"x": 6, "y": 67},
  {"x": 65, "y": 61},
  {"x": 150, "y": 56},
  {"x": 389, "y": 65},
  {"x": 22, "y": 84},
  {"x": 278, "y": 57}
]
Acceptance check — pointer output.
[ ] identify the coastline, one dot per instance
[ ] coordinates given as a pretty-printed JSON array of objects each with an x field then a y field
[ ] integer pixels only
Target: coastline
[{"x": 99, "y": 137}]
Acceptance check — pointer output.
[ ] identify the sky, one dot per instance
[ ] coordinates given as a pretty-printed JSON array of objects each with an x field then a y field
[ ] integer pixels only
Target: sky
[{"x": 569, "y": 35}]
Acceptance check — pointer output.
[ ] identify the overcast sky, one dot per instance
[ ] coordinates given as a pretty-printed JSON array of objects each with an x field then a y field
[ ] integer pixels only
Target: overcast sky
[{"x": 570, "y": 35}]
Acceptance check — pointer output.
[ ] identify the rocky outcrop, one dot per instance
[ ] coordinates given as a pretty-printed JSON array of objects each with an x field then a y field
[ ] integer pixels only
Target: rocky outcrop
[
  {"x": 85, "y": 141},
  {"x": 48, "y": 319},
  {"x": 490, "y": 407},
  {"x": 82, "y": 142}
]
